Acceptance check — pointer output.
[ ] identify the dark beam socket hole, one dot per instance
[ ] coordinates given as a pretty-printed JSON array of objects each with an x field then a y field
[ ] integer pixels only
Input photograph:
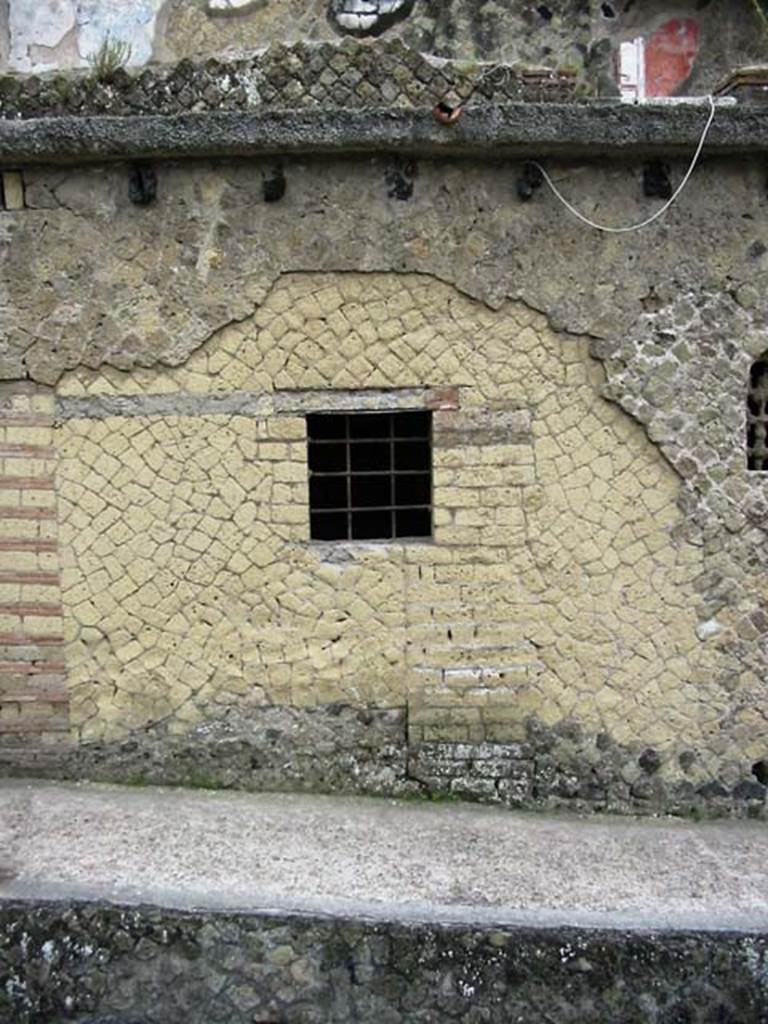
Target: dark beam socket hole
[
  {"x": 273, "y": 187},
  {"x": 142, "y": 185},
  {"x": 656, "y": 183},
  {"x": 530, "y": 179}
]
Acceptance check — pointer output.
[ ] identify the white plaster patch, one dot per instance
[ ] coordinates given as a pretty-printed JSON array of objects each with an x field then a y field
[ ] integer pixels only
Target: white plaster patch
[
  {"x": 632, "y": 70},
  {"x": 227, "y": 5},
  {"x": 363, "y": 15},
  {"x": 46, "y": 24},
  {"x": 121, "y": 19},
  {"x": 357, "y": 21},
  {"x": 40, "y": 24},
  {"x": 708, "y": 629}
]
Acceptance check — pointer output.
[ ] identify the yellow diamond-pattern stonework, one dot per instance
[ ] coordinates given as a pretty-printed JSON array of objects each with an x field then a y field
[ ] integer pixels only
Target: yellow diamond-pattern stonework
[{"x": 558, "y": 583}]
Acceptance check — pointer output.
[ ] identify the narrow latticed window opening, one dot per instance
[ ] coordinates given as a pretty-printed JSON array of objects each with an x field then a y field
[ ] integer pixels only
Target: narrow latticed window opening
[
  {"x": 757, "y": 415},
  {"x": 370, "y": 475}
]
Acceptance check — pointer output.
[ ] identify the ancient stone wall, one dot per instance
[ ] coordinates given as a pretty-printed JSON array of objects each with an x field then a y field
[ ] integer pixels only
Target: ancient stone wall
[
  {"x": 590, "y": 609},
  {"x": 580, "y": 575}
]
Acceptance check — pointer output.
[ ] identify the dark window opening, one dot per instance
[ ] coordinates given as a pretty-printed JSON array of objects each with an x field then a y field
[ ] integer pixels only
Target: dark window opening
[
  {"x": 757, "y": 415},
  {"x": 370, "y": 475}
]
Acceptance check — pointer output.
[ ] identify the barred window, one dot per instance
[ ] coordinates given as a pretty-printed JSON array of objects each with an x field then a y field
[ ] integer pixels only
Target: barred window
[
  {"x": 370, "y": 475},
  {"x": 757, "y": 415}
]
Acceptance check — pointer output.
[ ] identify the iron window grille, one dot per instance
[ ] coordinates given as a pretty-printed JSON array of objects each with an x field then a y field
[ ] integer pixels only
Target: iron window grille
[
  {"x": 757, "y": 415},
  {"x": 370, "y": 475}
]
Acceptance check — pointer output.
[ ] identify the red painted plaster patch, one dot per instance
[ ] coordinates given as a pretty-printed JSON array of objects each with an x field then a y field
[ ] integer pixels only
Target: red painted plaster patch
[{"x": 669, "y": 56}]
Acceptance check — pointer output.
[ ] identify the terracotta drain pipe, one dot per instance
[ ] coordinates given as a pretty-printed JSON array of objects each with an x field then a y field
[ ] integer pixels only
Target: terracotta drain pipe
[{"x": 445, "y": 114}]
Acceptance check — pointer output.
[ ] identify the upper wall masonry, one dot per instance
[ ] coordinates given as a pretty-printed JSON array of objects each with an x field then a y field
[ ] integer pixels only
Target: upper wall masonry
[{"x": 347, "y": 75}]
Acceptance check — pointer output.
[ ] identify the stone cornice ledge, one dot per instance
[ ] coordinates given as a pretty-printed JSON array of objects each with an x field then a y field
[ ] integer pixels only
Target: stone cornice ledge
[{"x": 594, "y": 129}]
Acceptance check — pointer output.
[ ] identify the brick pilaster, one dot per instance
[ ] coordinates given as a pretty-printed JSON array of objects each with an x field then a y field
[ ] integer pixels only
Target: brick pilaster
[{"x": 34, "y": 702}]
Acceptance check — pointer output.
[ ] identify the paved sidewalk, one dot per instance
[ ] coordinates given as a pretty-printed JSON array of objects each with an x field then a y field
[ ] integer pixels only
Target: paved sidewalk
[{"x": 378, "y": 858}]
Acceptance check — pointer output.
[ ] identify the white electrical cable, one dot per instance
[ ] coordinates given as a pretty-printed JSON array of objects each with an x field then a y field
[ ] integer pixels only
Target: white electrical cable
[{"x": 660, "y": 212}]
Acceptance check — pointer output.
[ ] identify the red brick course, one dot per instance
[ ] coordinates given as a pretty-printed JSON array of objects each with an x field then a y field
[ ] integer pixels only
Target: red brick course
[
  {"x": 26, "y": 451},
  {"x": 41, "y": 579},
  {"x": 15, "y": 512},
  {"x": 31, "y": 668},
  {"x": 27, "y": 483},
  {"x": 19, "y": 639},
  {"x": 27, "y": 544},
  {"x": 23, "y": 608}
]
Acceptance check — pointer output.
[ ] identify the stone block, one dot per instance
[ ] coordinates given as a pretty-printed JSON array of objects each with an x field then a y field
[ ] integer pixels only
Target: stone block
[
  {"x": 13, "y": 190},
  {"x": 471, "y": 788}
]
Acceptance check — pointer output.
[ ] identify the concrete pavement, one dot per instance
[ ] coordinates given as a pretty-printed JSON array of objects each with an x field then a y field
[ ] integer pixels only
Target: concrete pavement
[{"x": 378, "y": 858}]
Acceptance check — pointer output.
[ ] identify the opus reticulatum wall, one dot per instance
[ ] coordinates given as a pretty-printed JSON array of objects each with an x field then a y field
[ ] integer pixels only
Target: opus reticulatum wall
[{"x": 551, "y": 587}]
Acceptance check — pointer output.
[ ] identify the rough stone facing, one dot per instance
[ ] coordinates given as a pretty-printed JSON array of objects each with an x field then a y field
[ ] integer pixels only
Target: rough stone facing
[
  {"x": 95, "y": 963},
  {"x": 366, "y": 750}
]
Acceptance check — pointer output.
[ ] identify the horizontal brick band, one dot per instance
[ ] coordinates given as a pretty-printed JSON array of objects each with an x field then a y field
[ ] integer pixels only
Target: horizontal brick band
[
  {"x": 31, "y": 668},
  {"x": 37, "y": 725},
  {"x": 42, "y": 579},
  {"x": 27, "y": 483},
  {"x": 19, "y": 639},
  {"x": 31, "y": 654},
  {"x": 26, "y": 608},
  {"x": 27, "y": 419},
  {"x": 14, "y": 512},
  {"x": 27, "y": 544},
  {"x": 34, "y": 697},
  {"x": 27, "y": 451}
]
